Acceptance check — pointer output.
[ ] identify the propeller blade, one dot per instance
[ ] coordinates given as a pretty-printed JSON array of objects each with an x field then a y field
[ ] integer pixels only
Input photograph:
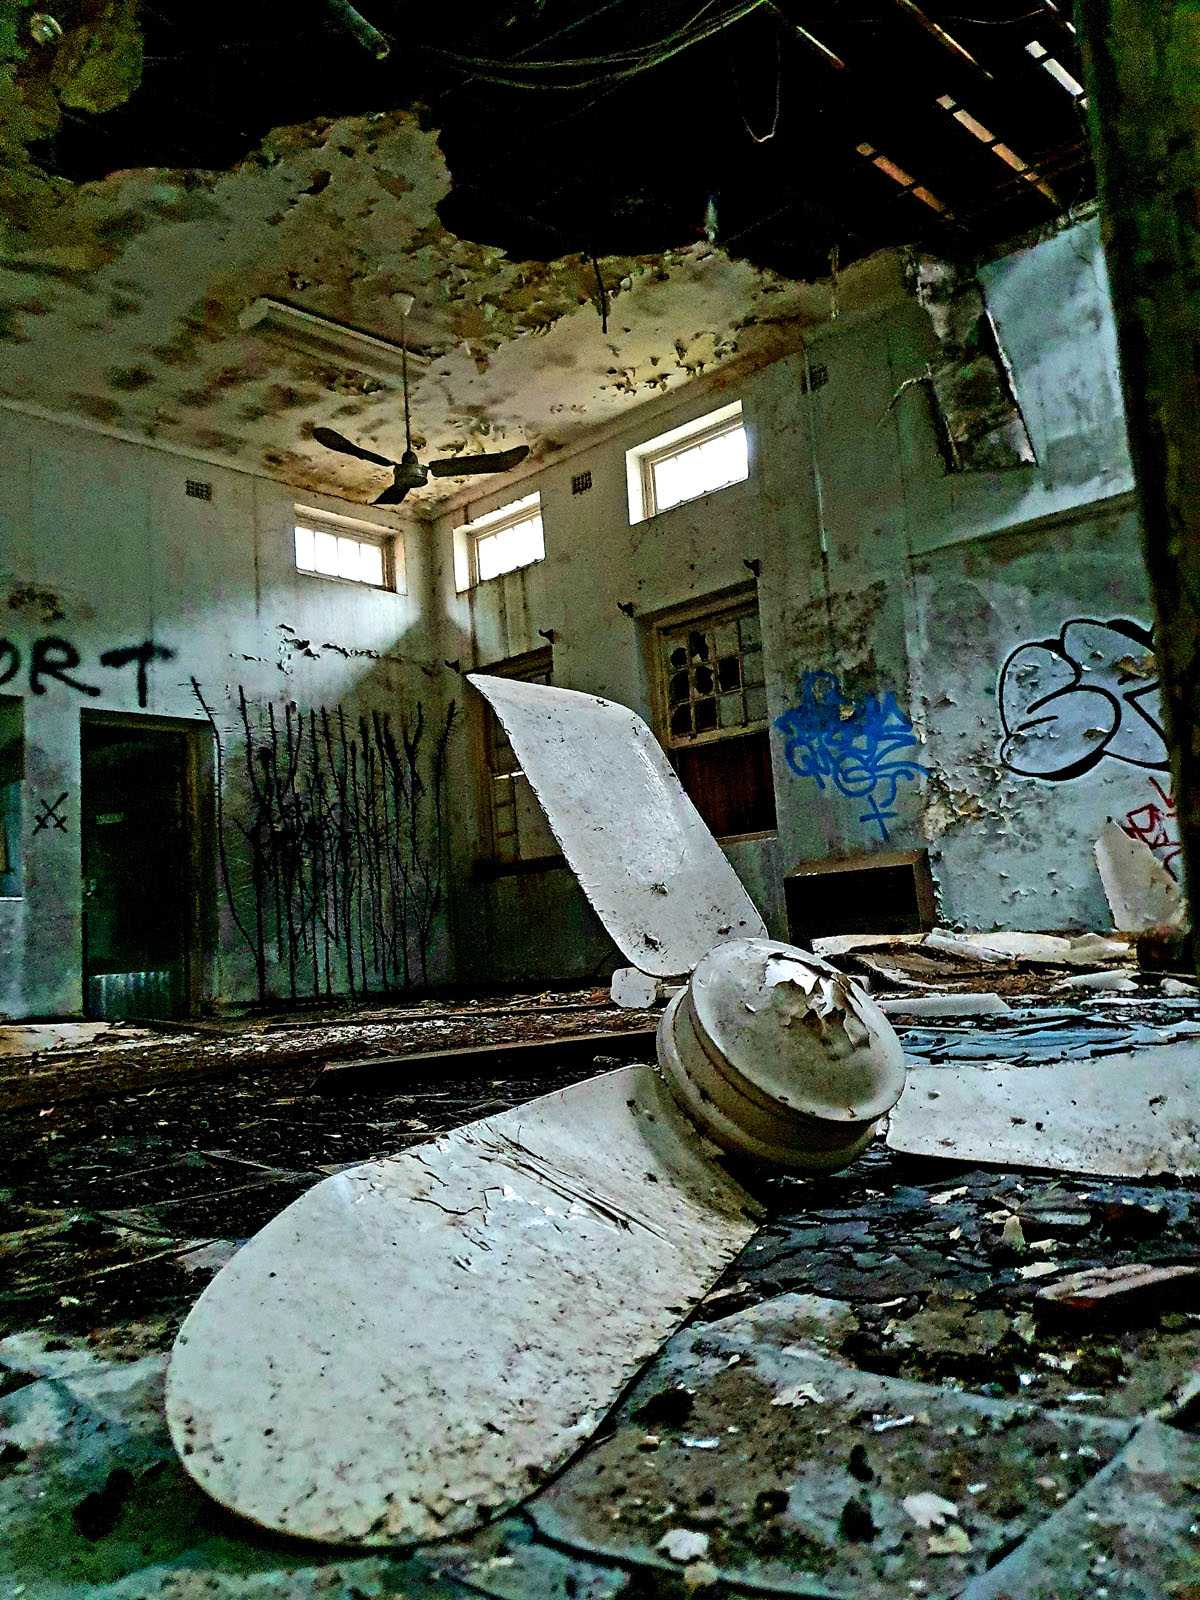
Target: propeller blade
[
  {"x": 464, "y": 466},
  {"x": 392, "y": 496},
  {"x": 337, "y": 441}
]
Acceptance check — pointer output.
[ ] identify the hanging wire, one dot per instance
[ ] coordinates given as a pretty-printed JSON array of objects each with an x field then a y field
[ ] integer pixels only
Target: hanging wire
[
  {"x": 762, "y": 138},
  {"x": 650, "y": 56}
]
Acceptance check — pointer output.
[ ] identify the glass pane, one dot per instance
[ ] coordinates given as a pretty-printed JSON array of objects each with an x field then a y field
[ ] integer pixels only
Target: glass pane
[
  {"x": 681, "y": 721},
  {"x": 729, "y": 674},
  {"x": 698, "y": 646},
  {"x": 325, "y": 553},
  {"x": 679, "y": 688},
  {"x": 304, "y": 548},
  {"x": 756, "y": 705},
  {"x": 725, "y": 639},
  {"x": 698, "y": 468},
  {"x": 370, "y": 563},
  {"x": 487, "y": 556},
  {"x": 676, "y": 652},
  {"x": 752, "y": 667},
  {"x": 348, "y": 558},
  {"x": 730, "y": 708},
  {"x": 706, "y": 715},
  {"x": 509, "y": 548},
  {"x": 751, "y": 632}
]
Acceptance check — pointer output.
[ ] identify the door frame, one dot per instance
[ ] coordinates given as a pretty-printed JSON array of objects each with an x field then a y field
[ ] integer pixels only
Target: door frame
[{"x": 199, "y": 811}]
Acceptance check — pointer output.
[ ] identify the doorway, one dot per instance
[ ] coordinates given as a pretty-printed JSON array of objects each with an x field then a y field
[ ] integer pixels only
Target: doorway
[{"x": 142, "y": 922}]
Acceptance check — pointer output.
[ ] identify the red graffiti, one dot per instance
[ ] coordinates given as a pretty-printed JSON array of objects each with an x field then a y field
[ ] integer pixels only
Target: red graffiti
[{"x": 1154, "y": 824}]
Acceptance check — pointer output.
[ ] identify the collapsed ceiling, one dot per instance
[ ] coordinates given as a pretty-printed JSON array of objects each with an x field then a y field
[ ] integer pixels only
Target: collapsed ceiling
[{"x": 122, "y": 279}]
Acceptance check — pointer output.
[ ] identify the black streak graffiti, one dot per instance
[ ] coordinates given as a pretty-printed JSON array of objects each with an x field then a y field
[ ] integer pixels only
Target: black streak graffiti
[
  {"x": 1066, "y": 703},
  {"x": 56, "y": 658},
  {"x": 143, "y": 654},
  {"x": 51, "y": 814},
  {"x": 342, "y": 832}
]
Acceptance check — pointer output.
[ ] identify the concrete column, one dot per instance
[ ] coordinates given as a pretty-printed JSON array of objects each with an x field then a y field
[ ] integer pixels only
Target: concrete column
[{"x": 1142, "y": 67}]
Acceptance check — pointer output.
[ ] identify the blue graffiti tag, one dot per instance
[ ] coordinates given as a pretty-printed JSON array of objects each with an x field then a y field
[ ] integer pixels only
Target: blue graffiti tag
[{"x": 856, "y": 744}]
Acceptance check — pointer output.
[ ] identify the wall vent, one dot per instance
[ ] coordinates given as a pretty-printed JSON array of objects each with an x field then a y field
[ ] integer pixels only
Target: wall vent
[
  {"x": 889, "y": 891},
  {"x": 198, "y": 490},
  {"x": 581, "y": 483},
  {"x": 814, "y": 378}
]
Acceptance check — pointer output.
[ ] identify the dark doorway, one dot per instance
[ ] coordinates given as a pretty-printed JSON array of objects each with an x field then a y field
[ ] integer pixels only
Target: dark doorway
[{"x": 141, "y": 914}]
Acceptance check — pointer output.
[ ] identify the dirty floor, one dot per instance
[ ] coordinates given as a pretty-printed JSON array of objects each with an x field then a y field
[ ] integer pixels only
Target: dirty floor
[{"x": 877, "y": 1354}]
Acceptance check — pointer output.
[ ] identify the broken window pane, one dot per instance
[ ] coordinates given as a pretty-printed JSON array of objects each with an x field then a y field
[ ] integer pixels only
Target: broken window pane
[
  {"x": 706, "y": 715},
  {"x": 729, "y": 672}
]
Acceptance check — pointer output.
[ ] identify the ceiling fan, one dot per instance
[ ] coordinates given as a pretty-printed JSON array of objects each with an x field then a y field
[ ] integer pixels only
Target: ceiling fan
[{"x": 408, "y": 473}]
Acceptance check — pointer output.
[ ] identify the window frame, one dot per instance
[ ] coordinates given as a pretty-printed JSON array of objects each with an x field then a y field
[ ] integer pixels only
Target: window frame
[
  {"x": 467, "y": 536},
  {"x": 389, "y": 542},
  {"x": 534, "y": 666},
  {"x": 707, "y": 612},
  {"x": 641, "y": 460}
]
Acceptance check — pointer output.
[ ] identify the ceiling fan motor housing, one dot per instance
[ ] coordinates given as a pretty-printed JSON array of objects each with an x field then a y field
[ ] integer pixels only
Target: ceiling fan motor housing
[
  {"x": 779, "y": 1057},
  {"x": 410, "y": 474}
]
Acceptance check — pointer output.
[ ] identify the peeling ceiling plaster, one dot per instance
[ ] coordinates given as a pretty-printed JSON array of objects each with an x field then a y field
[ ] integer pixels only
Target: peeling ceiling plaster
[{"x": 119, "y": 303}]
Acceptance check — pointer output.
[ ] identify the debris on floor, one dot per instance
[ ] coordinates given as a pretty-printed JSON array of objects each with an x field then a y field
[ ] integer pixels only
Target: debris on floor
[{"x": 895, "y": 1290}]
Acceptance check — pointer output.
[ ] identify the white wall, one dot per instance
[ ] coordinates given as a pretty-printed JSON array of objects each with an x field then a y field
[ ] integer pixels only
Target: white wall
[
  {"x": 101, "y": 547},
  {"x": 877, "y": 567},
  {"x": 863, "y": 537}
]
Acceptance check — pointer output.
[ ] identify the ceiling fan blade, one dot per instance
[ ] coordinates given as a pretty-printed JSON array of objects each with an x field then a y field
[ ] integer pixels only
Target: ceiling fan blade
[
  {"x": 393, "y": 495},
  {"x": 464, "y": 466},
  {"x": 338, "y": 441}
]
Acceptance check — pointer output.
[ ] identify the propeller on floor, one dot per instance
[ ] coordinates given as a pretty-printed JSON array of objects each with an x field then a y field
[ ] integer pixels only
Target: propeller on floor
[{"x": 408, "y": 473}]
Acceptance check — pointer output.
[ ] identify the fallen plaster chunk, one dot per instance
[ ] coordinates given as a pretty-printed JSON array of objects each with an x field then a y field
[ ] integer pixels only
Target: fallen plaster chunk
[
  {"x": 1132, "y": 1290},
  {"x": 1037, "y": 949},
  {"x": 929, "y": 1510},
  {"x": 641, "y": 851},
  {"x": 1141, "y": 893},
  {"x": 1111, "y": 980},
  {"x": 1124, "y": 1116},
  {"x": 683, "y": 1544},
  {"x": 414, "y": 1343},
  {"x": 633, "y": 990},
  {"x": 986, "y": 1004}
]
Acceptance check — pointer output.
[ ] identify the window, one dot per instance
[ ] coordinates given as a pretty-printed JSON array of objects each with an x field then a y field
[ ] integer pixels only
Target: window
[
  {"x": 712, "y": 700},
  {"x": 499, "y": 542},
  {"x": 12, "y": 773},
  {"x": 339, "y": 547},
  {"x": 519, "y": 830},
  {"x": 709, "y": 453}
]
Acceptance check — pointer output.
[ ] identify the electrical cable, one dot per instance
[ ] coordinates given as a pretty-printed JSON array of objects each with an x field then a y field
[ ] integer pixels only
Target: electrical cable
[{"x": 663, "y": 53}]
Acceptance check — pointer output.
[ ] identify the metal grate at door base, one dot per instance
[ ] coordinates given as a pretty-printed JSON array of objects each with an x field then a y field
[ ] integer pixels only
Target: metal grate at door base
[{"x": 113, "y": 995}]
